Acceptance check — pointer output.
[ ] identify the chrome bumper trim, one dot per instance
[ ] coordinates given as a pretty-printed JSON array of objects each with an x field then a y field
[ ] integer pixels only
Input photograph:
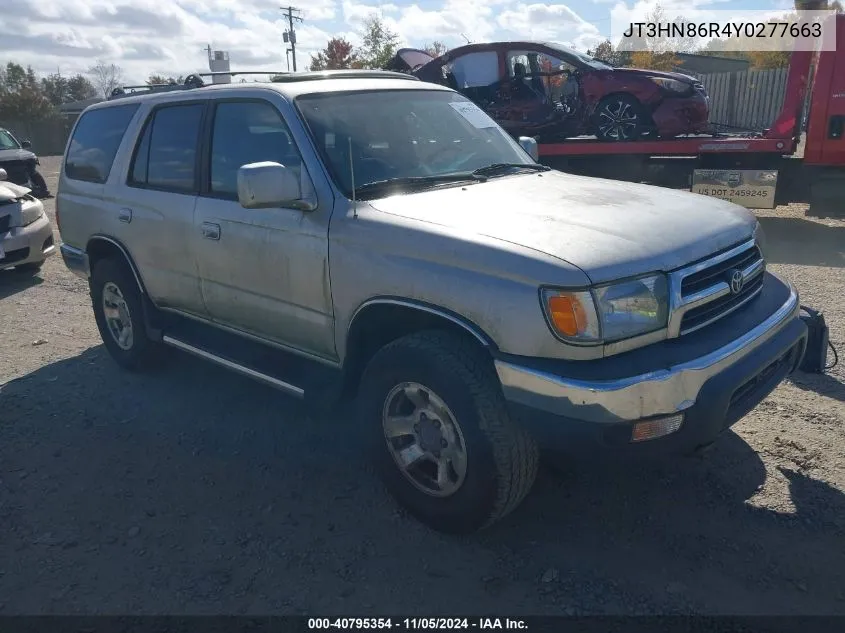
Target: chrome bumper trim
[
  {"x": 661, "y": 392},
  {"x": 76, "y": 260}
]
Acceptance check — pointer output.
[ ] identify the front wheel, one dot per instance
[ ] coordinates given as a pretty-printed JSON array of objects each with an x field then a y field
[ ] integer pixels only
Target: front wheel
[
  {"x": 619, "y": 118},
  {"x": 119, "y": 312},
  {"x": 444, "y": 443}
]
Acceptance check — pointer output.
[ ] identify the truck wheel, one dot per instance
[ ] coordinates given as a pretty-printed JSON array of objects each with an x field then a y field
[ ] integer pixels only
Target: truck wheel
[
  {"x": 619, "y": 118},
  {"x": 118, "y": 311},
  {"x": 444, "y": 443}
]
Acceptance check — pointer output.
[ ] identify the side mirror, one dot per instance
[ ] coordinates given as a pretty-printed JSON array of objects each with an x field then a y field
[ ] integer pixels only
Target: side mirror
[
  {"x": 3, "y": 174},
  {"x": 269, "y": 185},
  {"x": 530, "y": 146},
  {"x": 26, "y": 144}
]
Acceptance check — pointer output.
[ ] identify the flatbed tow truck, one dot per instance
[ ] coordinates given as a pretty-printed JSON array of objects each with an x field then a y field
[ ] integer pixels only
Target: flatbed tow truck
[{"x": 760, "y": 170}]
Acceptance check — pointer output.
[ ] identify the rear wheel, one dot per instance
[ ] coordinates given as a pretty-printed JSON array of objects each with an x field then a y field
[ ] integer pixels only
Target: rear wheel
[
  {"x": 118, "y": 310},
  {"x": 619, "y": 118},
  {"x": 444, "y": 443}
]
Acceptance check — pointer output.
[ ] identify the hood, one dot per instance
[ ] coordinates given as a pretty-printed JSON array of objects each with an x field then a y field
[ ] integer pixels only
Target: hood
[
  {"x": 406, "y": 59},
  {"x": 656, "y": 73},
  {"x": 607, "y": 228},
  {"x": 9, "y": 191},
  {"x": 15, "y": 154}
]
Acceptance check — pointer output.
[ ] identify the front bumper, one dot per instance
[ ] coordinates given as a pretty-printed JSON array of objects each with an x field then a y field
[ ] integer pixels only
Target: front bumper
[
  {"x": 76, "y": 261},
  {"x": 27, "y": 244},
  {"x": 712, "y": 390}
]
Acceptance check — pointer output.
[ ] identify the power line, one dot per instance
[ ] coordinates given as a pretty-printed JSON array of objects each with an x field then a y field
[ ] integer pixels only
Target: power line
[{"x": 290, "y": 34}]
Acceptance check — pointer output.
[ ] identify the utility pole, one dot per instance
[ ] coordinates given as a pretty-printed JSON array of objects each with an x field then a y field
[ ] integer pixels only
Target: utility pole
[{"x": 290, "y": 34}]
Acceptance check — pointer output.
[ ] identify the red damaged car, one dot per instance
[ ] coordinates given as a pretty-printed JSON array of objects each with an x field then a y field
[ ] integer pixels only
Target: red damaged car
[{"x": 552, "y": 92}]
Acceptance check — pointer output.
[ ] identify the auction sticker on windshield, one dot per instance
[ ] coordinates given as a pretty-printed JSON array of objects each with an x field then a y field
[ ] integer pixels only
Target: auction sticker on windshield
[
  {"x": 751, "y": 188},
  {"x": 473, "y": 114}
]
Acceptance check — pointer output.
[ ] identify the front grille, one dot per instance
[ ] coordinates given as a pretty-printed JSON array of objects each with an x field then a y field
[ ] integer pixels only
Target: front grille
[
  {"x": 710, "y": 276},
  {"x": 698, "y": 317},
  {"x": 706, "y": 288},
  {"x": 16, "y": 255}
]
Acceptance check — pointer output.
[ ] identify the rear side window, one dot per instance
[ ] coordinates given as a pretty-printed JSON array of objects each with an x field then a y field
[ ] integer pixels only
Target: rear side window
[
  {"x": 166, "y": 155},
  {"x": 95, "y": 141}
]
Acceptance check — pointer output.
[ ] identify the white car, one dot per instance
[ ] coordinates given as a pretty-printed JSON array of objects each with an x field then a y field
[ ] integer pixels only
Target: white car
[{"x": 26, "y": 236}]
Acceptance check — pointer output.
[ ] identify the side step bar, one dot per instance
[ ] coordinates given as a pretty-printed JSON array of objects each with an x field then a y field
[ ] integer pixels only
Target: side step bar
[{"x": 236, "y": 367}]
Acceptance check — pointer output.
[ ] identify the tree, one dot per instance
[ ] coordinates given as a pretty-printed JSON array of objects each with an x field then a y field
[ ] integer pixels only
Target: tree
[
  {"x": 156, "y": 78},
  {"x": 21, "y": 94},
  {"x": 654, "y": 61},
  {"x": 380, "y": 43},
  {"x": 106, "y": 77},
  {"x": 605, "y": 52},
  {"x": 436, "y": 48},
  {"x": 55, "y": 88},
  {"x": 80, "y": 89},
  {"x": 337, "y": 55}
]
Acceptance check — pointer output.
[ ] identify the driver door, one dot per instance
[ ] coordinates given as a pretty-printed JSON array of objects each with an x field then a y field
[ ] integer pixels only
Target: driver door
[{"x": 262, "y": 271}]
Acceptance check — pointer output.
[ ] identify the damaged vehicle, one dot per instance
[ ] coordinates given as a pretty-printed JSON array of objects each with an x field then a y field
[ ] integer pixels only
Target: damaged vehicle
[
  {"x": 21, "y": 164},
  {"x": 552, "y": 92},
  {"x": 26, "y": 236}
]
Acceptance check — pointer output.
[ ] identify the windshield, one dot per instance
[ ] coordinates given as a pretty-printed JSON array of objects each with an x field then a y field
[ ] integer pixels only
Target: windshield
[
  {"x": 7, "y": 141},
  {"x": 401, "y": 134},
  {"x": 583, "y": 58}
]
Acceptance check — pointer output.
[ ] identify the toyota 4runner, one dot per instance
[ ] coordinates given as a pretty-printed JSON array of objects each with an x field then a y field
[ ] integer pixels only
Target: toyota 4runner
[{"x": 364, "y": 233}]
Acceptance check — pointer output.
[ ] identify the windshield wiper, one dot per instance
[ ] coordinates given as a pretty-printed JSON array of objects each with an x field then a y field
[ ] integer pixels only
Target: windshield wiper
[
  {"x": 497, "y": 167},
  {"x": 412, "y": 182}
]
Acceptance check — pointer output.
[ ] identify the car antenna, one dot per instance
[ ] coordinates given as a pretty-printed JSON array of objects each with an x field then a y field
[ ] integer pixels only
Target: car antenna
[{"x": 352, "y": 177}]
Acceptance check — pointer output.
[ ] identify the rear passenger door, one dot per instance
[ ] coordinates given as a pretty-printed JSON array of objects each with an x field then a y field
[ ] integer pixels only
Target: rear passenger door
[
  {"x": 158, "y": 204},
  {"x": 263, "y": 271}
]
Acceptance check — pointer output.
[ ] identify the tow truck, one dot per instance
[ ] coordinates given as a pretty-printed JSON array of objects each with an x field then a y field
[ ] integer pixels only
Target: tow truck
[{"x": 756, "y": 170}]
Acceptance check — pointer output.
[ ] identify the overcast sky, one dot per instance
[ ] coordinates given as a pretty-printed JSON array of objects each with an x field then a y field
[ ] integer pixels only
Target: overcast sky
[{"x": 169, "y": 37}]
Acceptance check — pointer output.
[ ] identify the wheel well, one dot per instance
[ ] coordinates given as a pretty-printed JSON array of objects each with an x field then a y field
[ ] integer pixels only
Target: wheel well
[
  {"x": 100, "y": 248},
  {"x": 378, "y": 324},
  {"x": 645, "y": 109}
]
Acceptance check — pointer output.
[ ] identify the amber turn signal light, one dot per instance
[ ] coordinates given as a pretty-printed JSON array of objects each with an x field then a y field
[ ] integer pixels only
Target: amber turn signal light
[{"x": 567, "y": 314}]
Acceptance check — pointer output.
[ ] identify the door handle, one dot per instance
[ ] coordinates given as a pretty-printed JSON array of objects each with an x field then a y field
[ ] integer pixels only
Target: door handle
[
  {"x": 125, "y": 215},
  {"x": 210, "y": 231}
]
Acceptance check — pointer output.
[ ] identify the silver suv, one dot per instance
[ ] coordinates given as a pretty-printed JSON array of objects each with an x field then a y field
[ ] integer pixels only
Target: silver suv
[{"x": 367, "y": 234}]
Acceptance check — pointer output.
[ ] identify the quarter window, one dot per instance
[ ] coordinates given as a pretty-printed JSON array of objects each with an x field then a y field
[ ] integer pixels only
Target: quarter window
[
  {"x": 95, "y": 141},
  {"x": 247, "y": 132}
]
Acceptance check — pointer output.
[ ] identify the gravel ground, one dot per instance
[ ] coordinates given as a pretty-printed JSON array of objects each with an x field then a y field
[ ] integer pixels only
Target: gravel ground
[{"x": 196, "y": 491}]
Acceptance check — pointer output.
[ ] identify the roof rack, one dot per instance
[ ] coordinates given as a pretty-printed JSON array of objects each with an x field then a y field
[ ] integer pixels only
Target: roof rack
[{"x": 195, "y": 80}]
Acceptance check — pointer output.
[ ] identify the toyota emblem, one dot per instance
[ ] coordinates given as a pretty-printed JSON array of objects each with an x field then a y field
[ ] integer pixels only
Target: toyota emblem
[{"x": 737, "y": 281}]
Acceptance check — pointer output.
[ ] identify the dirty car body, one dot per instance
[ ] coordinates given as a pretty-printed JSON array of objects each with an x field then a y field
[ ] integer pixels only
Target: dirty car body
[
  {"x": 383, "y": 237},
  {"x": 554, "y": 92}
]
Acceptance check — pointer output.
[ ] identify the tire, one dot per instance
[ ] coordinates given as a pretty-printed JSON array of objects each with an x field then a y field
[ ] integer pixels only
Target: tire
[
  {"x": 500, "y": 459},
  {"x": 628, "y": 114},
  {"x": 136, "y": 352}
]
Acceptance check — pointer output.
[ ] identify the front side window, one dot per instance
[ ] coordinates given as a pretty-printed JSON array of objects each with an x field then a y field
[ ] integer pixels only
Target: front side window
[
  {"x": 166, "y": 154},
  {"x": 475, "y": 70},
  {"x": 7, "y": 141},
  {"x": 247, "y": 132},
  {"x": 379, "y": 135},
  {"x": 95, "y": 141}
]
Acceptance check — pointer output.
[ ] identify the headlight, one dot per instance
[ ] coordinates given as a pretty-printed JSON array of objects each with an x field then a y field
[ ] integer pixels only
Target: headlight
[
  {"x": 672, "y": 85},
  {"x": 760, "y": 240},
  {"x": 609, "y": 312},
  {"x": 31, "y": 212}
]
